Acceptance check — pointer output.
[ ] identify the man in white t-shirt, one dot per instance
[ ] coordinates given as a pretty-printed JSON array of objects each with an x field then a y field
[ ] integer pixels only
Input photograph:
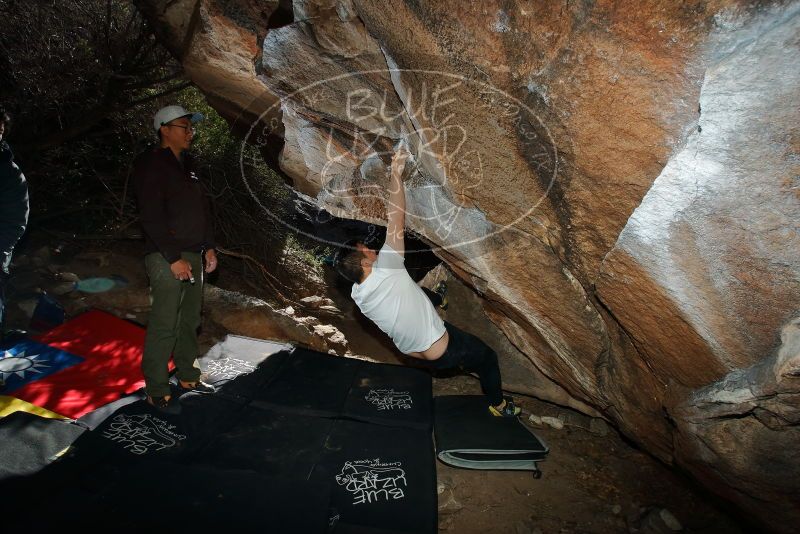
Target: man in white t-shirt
[{"x": 388, "y": 296}]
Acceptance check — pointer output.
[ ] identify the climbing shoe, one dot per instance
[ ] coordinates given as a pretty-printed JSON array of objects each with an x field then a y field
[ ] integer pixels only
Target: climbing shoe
[
  {"x": 441, "y": 290},
  {"x": 506, "y": 409},
  {"x": 165, "y": 405}
]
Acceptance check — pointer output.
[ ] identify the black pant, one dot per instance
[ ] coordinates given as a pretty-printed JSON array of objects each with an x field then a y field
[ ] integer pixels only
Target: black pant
[{"x": 470, "y": 354}]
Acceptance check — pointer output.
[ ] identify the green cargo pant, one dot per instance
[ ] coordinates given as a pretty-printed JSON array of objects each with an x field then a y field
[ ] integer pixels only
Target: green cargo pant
[{"x": 172, "y": 327}]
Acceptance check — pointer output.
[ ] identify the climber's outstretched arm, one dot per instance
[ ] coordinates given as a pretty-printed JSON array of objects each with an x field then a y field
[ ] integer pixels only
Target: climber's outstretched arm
[{"x": 396, "y": 205}]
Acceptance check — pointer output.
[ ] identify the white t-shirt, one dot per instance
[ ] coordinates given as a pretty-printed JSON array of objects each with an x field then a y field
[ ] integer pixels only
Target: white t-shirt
[{"x": 393, "y": 301}]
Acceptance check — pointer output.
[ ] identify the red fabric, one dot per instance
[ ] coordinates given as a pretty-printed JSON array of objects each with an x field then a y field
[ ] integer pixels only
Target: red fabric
[{"x": 112, "y": 348}]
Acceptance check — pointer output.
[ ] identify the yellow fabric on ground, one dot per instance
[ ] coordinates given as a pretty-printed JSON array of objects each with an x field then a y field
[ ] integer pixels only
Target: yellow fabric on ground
[{"x": 9, "y": 405}]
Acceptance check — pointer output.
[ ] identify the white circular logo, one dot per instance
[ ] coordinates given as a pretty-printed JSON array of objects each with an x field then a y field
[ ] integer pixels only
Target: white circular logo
[{"x": 358, "y": 128}]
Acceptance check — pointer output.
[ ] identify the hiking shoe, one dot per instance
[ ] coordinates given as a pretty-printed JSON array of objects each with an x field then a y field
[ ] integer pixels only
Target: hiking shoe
[
  {"x": 199, "y": 387},
  {"x": 509, "y": 409},
  {"x": 164, "y": 405},
  {"x": 441, "y": 290}
]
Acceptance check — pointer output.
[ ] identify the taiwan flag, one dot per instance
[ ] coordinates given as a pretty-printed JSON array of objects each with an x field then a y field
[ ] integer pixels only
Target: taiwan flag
[
  {"x": 28, "y": 361},
  {"x": 77, "y": 367}
]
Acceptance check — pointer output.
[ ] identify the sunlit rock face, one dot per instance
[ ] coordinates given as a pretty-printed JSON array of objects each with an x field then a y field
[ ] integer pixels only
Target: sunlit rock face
[
  {"x": 218, "y": 44},
  {"x": 617, "y": 181}
]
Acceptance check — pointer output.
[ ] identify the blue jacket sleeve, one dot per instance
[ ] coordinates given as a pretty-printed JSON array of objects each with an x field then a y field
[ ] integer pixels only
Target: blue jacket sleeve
[{"x": 14, "y": 210}]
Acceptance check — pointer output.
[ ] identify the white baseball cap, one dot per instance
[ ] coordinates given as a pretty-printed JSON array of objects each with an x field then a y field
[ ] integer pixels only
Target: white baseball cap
[{"x": 170, "y": 113}]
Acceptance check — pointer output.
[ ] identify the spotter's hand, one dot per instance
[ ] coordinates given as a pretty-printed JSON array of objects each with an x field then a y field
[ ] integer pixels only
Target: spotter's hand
[
  {"x": 181, "y": 269},
  {"x": 211, "y": 260}
]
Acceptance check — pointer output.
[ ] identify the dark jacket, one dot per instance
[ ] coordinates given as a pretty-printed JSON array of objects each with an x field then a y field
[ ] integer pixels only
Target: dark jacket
[
  {"x": 173, "y": 207},
  {"x": 14, "y": 205}
]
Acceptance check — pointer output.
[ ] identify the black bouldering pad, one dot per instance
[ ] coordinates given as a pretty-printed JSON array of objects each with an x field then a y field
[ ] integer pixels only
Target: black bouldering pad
[
  {"x": 95, "y": 418},
  {"x": 206, "y": 498},
  {"x": 312, "y": 383},
  {"x": 240, "y": 366},
  {"x": 29, "y": 442},
  {"x": 382, "y": 477},
  {"x": 158, "y": 496},
  {"x": 390, "y": 395},
  {"x": 309, "y": 383},
  {"x": 137, "y": 432},
  {"x": 468, "y": 436},
  {"x": 271, "y": 443},
  {"x": 347, "y": 528},
  {"x": 293, "y": 441}
]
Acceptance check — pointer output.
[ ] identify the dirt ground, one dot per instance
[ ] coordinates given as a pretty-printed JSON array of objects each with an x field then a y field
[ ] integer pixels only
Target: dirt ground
[
  {"x": 593, "y": 480},
  {"x": 590, "y": 483}
]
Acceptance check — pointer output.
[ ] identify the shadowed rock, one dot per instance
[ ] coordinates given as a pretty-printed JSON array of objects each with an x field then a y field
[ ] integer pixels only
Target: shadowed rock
[{"x": 617, "y": 182}]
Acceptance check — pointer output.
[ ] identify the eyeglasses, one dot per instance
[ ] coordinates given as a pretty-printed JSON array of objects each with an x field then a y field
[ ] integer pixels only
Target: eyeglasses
[{"x": 187, "y": 128}]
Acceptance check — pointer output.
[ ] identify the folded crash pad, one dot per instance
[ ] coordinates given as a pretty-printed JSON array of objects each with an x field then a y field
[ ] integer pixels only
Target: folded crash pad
[{"x": 468, "y": 436}]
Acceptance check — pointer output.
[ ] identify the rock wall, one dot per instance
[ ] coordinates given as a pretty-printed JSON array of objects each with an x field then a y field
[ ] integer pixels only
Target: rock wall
[{"x": 618, "y": 181}]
